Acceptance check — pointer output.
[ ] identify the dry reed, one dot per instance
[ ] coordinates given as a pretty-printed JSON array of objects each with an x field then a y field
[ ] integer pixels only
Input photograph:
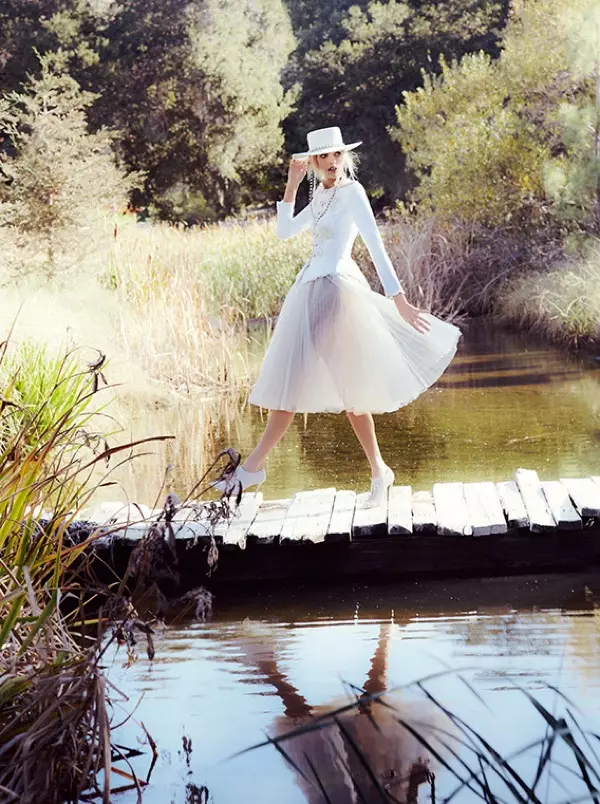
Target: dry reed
[
  {"x": 54, "y": 726},
  {"x": 562, "y": 303}
]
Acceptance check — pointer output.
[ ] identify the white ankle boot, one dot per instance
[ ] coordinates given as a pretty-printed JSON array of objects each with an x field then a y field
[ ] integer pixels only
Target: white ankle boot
[
  {"x": 242, "y": 476},
  {"x": 379, "y": 488}
]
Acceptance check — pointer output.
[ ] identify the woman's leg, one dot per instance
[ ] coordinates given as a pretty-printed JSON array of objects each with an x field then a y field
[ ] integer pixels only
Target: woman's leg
[
  {"x": 277, "y": 425},
  {"x": 364, "y": 427}
]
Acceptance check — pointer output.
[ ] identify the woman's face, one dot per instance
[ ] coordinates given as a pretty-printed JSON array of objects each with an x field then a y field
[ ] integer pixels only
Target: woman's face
[{"x": 330, "y": 165}]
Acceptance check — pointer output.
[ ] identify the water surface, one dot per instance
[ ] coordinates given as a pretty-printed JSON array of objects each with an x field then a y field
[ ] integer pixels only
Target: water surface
[
  {"x": 265, "y": 665},
  {"x": 506, "y": 401}
]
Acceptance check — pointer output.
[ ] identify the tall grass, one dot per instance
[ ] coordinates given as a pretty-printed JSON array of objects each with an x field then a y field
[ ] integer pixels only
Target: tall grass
[
  {"x": 54, "y": 726},
  {"x": 185, "y": 296},
  {"x": 431, "y": 261},
  {"x": 562, "y": 303}
]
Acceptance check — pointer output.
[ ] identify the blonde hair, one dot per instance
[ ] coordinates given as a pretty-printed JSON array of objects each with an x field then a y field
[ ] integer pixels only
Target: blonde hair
[{"x": 349, "y": 163}]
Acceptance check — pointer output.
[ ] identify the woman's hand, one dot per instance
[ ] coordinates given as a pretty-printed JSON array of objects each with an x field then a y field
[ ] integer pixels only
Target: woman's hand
[
  {"x": 297, "y": 171},
  {"x": 411, "y": 314}
]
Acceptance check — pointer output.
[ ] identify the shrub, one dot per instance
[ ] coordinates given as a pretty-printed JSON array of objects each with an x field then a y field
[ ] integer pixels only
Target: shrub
[
  {"x": 512, "y": 142},
  {"x": 57, "y": 177}
]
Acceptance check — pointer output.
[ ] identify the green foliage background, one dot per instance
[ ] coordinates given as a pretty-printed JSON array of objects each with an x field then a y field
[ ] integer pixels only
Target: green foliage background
[
  {"x": 205, "y": 97},
  {"x": 481, "y": 116}
]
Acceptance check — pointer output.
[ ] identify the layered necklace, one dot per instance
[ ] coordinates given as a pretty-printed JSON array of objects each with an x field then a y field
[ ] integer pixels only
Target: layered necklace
[{"x": 318, "y": 214}]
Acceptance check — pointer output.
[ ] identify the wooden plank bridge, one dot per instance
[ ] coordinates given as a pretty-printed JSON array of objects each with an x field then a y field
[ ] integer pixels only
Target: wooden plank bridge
[{"x": 521, "y": 525}]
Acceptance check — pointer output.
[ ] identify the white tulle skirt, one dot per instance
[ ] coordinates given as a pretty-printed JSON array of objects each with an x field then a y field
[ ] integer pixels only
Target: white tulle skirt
[{"x": 339, "y": 346}]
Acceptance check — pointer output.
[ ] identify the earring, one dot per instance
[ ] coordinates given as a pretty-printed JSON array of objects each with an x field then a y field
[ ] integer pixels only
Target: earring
[{"x": 313, "y": 186}]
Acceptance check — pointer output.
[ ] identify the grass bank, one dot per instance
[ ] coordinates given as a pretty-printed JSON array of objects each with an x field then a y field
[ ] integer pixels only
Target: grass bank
[{"x": 561, "y": 303}]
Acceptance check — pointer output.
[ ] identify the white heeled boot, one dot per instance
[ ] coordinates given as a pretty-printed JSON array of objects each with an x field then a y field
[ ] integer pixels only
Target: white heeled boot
[
  {"x": 379, "y": 489},
  {"x": 242, "y": 476}
]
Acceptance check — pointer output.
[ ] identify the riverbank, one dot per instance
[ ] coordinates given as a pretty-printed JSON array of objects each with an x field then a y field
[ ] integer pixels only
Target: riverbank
[{"x": 562, "y": 303}]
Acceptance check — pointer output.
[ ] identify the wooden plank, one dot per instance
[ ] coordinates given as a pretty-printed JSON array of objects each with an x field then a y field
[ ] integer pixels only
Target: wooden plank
[
  {"x": 369, "y": 521},
  {"x": 540, "y": 517},
  {"x": 400, "y": 511},
  {"x": 267, "y": 524},
  {"x": 308, "y": 517},
  {"x": 477, "y": 515},
  {"x": 451, "y": 509},
  {"x": 513, "y": 504},
  {"x": 424, "y": 515},
  {"x": 340, "y": 525},
  {"x": 488, "y": 497},
  {"x": 585, "y": 494},
  {"x": 185, "y": 531},
  {"x": 561, "y": 507},
  {"x": 234, "y": 533}
]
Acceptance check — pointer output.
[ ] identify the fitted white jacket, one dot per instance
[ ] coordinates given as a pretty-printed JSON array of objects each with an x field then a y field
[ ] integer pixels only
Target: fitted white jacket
[{"x": 334, "y": 234}]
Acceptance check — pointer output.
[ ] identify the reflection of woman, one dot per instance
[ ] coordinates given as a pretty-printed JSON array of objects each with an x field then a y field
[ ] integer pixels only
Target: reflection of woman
[
  {"x": 339, "y": 346},
  {"x": 366, "y": 750}
]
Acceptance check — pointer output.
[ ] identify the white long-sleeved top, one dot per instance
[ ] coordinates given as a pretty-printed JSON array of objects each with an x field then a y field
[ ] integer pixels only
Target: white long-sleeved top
[{"x": 334, "y": 234}]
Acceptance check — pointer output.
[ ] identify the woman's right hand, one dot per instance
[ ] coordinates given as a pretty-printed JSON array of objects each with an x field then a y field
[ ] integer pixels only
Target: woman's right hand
[{"x": 297, "y": 171}]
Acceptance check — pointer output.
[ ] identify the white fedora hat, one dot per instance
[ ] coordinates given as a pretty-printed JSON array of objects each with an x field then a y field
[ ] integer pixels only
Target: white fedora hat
[{"x": 324, "y": 140}]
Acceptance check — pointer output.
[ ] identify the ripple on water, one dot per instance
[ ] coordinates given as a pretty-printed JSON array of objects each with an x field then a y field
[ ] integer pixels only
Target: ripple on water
[{"x": 226, "y": 683}]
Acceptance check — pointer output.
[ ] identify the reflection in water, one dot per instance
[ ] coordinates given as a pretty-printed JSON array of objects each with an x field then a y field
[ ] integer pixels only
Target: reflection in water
[
  {"x": 505, "y": 402},
  {"x": 278, "y": 662},
  {"x": 356, "y": 755}
]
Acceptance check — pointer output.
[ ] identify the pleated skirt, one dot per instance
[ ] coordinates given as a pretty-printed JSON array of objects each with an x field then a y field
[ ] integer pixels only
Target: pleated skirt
[{"x": 339, "y": 346}]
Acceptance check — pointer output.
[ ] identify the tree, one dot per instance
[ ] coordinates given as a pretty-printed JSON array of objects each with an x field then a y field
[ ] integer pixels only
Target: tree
[
  {"x": 375, "y": 52},
  {"x": 512, "y": 142},
  {"x": 194, "y": 87},
  {"x": 30, "y": 28},
  {"x": 55, "y": 176}
]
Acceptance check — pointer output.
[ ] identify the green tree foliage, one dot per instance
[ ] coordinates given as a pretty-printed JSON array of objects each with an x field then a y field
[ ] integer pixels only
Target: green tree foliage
[
  {"x": 513, "y": 142},
  {"x": 28, "y": 28},
  {"x": 55, "y": 175},
  {"x": 194, "y": 87},
  {"x": 374, "y": 53}
]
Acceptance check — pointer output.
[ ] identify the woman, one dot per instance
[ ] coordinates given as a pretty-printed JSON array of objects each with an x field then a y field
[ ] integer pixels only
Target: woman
[{"x": 338, "y": 345}]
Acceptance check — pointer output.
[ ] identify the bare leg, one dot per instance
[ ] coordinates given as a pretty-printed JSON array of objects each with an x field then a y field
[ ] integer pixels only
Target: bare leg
[
  {"x": 277, "y": 425},
  {"x": 364, "y": 427}
]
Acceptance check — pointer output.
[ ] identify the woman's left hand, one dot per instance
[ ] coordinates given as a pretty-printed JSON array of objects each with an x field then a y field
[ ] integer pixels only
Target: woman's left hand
[{"x": 411, "y": 314}]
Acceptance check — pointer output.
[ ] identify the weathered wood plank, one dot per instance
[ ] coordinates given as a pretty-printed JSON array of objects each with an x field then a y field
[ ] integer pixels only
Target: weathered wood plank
[
  {"x": 477, "y": 515},
  {"x": 268, "y": 522},
  {"x": 561, "y": 507},
  {"x": 184, "y": 531},
  {"x": 451, "y": 509},
  {"x": 308, "y": 517},
  {"x": 235, "y": 531},
  {"x": 369, "y": 521},
  {"x": 340, "y": 525},
  {"x": 540, "y": 516},
  {"x": 585, "y": 494},
  {"x": 424, "y": 515},
  {"x": 400, "y": 511},
  {"x": 118, "y": 513},
  {"x": 512, "y": 502},
  {"x": 488, "y": 496}
]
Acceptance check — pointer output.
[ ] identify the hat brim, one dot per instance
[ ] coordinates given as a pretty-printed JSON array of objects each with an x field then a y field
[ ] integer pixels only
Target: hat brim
[{"x": 328, "y": 149}]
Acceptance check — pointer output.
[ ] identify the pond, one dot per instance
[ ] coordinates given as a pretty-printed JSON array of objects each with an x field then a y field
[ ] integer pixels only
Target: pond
[
  {"x": 505, "y": 402},
  {"x": 266, "y": 664}
]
